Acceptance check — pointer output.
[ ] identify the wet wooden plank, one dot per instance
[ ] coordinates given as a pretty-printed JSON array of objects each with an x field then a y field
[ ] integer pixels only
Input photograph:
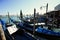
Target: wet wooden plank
[{"x": 2, "y": 33}]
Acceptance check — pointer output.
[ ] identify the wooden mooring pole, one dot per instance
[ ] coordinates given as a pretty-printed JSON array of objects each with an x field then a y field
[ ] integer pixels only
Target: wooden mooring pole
[
  {"x": 8, "y": 18},
  {"x": 21, "y": 14},
  {"x": 34, "y": 21},
  {"x": 2, "y": 35}
]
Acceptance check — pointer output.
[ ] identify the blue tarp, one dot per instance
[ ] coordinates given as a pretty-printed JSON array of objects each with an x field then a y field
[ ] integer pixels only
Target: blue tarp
[{"x": 46, "y": 31}]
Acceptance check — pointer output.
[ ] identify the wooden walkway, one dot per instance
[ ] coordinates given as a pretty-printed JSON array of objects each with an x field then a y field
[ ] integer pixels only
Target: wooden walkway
[{"x": 2, "y": 35}]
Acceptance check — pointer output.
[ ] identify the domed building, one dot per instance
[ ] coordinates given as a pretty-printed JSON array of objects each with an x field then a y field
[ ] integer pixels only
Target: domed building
[{"x": 57, "y": 7}]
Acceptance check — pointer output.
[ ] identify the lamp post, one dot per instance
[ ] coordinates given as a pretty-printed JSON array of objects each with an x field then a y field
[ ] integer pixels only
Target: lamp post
[{"x": 45, "y": 6}]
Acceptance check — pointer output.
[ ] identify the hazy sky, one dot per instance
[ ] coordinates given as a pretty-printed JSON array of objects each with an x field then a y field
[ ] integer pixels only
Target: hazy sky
[{"x": 27, "y": 6}]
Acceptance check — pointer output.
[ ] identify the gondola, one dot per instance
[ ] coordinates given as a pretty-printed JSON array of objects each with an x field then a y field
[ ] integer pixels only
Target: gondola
[
  {"x": 23, "y": 25},
  {"x": 41, "y": 32},
  {"x": 18, "y": 34}
]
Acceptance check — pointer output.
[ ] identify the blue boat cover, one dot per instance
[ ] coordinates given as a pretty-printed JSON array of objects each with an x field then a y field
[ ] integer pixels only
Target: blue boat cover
[{"x": 46, "y": 31}]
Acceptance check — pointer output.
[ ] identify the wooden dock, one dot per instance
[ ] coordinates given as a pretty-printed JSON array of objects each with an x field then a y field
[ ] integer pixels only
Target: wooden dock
[{"x": 2, "y": 35}]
